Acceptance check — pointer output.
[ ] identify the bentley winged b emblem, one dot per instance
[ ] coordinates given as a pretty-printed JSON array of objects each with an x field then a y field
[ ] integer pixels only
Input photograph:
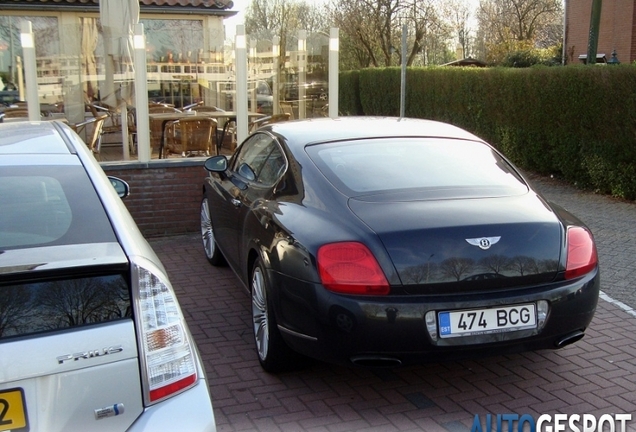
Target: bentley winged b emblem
[{"x": 483, "y": 243}]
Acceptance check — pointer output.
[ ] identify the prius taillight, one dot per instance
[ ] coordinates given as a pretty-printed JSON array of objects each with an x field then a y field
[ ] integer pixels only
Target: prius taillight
[{"x": 166, "y": 351}]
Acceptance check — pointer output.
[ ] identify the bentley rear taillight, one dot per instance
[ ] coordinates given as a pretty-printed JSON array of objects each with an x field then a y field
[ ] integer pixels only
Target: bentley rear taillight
[
  {"x": 351, "y": 268},
  {"x": 166, "y": 352},
  {"x": 582, "y": 257}
]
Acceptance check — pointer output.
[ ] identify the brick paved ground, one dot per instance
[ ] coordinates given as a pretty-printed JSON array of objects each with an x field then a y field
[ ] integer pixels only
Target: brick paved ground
[
  {"x": 613, "y": 223},
  {"x": 595, "y": 376}
]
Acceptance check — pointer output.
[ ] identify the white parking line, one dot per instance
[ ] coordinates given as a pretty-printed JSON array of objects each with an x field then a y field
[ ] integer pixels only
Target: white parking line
[{"x": 620, "y": 304}]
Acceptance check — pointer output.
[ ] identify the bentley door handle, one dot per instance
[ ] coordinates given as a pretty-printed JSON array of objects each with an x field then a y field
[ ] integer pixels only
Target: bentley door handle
[{"x": 235, "y": 202}]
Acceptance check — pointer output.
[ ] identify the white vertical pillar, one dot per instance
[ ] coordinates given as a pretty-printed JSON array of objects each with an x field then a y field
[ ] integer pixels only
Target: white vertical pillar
[
  {"x": 241, "y": 83},
  {"x": 30, "y": 70},
  {"x": 302, "y": 73},
  {"x": 275, "y": 83},
  {"x": 141, "y": 95},
  {"x": 20, "y": 73},
  {"x": 124, "y": 131},
  {"x": 334, "y": 51},
  {"x": 252, "y": 66}
]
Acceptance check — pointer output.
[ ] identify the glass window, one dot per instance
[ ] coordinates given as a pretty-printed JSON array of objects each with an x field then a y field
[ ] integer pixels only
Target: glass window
[
  {"x": 45, "y": 32},
  {"x": 34, "y": 307},
  {"x": 25, "y": 201},
  {"x": 173, "y": 41},
  {"x": 372, "y": 166},
  {"x": 260, "y": 160},
  {"x": 50, "y": 205}
]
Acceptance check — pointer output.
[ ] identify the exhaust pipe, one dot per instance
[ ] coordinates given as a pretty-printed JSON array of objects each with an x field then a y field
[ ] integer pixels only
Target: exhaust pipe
[
  {"x": 570, "y": 339},
  {"x": 376, "y": 361}
]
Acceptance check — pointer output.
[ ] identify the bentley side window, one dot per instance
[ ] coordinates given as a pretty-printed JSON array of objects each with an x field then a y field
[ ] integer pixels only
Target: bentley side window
[{"x": 260, "y": 160}]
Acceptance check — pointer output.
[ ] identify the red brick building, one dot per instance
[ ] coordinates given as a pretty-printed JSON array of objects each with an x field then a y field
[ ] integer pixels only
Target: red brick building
[{"x": 617, "y": 30}]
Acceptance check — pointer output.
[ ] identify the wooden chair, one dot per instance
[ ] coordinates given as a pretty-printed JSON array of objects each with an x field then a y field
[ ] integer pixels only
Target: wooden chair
[
  {"x": 159, "y": 104},
  {"x": 156, "y": 127},
  {"x": 93, "y": 138},
  {"x": 16, "y": 113},
  {"x": 190, "y": 136},
  {"x": 154, "y": 109},
  {"x": 206, "y": 108},
  {"x": 192, "y": 106},
  {"x": 287, "y": 108},
  {"x": 113, "y": 123}
]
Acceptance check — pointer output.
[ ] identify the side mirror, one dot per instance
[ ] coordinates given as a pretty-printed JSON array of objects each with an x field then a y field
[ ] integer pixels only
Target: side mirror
[
  {"x": 121, "y": 187},
  {"x": 217, "y": 164}
]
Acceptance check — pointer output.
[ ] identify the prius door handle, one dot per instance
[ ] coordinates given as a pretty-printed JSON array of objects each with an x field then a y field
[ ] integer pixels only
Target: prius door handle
[{"x": 236, "y": 203}]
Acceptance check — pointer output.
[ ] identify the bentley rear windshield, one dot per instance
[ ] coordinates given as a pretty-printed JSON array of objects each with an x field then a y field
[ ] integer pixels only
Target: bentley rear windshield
[{"x": 399, "y": 164}]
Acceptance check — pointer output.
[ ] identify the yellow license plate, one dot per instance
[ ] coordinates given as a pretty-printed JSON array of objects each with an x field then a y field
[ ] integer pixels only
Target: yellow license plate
[{"x": 13, "y": 413}]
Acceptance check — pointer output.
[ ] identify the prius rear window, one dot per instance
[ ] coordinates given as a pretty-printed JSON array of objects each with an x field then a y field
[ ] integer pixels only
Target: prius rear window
[
  {"x": 50, "y": 205},
  {"x": 57, "y": 304}
]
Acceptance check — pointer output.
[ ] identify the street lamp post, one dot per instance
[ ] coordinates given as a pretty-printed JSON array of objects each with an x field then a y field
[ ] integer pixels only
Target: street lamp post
[{"x": 595, "y": 22}]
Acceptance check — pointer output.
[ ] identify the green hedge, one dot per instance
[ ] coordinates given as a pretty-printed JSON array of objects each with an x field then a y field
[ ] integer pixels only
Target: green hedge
[{"x": 577, "y": 122}]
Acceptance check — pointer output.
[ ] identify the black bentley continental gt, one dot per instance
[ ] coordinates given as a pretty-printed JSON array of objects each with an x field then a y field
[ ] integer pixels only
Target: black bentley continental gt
[{"x": 384, "y": 241}]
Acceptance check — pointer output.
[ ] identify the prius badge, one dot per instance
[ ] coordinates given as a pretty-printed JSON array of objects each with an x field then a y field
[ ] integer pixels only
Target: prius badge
[{"x": 484, "y": 243}]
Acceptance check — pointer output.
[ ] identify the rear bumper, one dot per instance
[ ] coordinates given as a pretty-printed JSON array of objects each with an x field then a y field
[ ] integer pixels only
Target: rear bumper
[
  {"x": 348, "y": 329},
  {"x": 188, "y": 411}
]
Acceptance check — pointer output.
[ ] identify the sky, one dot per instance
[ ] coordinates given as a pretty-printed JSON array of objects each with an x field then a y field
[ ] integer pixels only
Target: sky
[{"x": 231, "y": 23}]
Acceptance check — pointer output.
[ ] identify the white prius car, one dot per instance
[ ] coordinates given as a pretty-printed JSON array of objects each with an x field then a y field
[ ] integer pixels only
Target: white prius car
[{"x": 92, "y": 337}]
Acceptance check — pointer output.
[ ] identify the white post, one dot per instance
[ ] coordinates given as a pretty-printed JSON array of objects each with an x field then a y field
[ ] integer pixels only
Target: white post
[
  {"x": 241, "y": 84},
  {"x": 275, "y": 85},
  {"x": 19, "y": 72},
  {"x": 302, "y": 74},
  {"x": 124, "y": 130},
  {"x": 334, "y": 50},
  {"x": 141, "y": 95},
  {"x": 252, "y": 65},
  {"x": 30, "y": 70}
]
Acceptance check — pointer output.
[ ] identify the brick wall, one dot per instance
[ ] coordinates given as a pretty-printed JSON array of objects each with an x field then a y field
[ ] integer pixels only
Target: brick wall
[
  {"x": 617, "y": 29},
  {"x": 165, "y": 194}
]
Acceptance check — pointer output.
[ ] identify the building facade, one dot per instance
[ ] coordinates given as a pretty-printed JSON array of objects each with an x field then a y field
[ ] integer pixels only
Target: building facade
[
  {"x": 74, "y": 49},
  {"x": 617, "y": 29}
]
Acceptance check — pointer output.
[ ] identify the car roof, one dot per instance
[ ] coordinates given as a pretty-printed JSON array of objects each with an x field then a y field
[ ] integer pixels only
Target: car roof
[
  {"x": 302, "y": 132},
  {"x": 35, "y": 138}
]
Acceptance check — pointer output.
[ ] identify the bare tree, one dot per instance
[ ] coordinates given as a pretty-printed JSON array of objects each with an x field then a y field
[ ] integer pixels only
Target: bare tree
[
  {"x": 523, "y": 265},
  {"x": 373, "y": 30},
  {"x": 370, "y": 29},
  {"x": 431, "y": 33},
  {"x": 458, "y": 14},
  {"x": 15, "y": 310},
  {"x": 457, "y": 268},
  {"x": 82, "y": 301},
  {"x": 283, "y": 18},
  {"x": 495, "y": 263},
  {"x": 508, "y": 22}
]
